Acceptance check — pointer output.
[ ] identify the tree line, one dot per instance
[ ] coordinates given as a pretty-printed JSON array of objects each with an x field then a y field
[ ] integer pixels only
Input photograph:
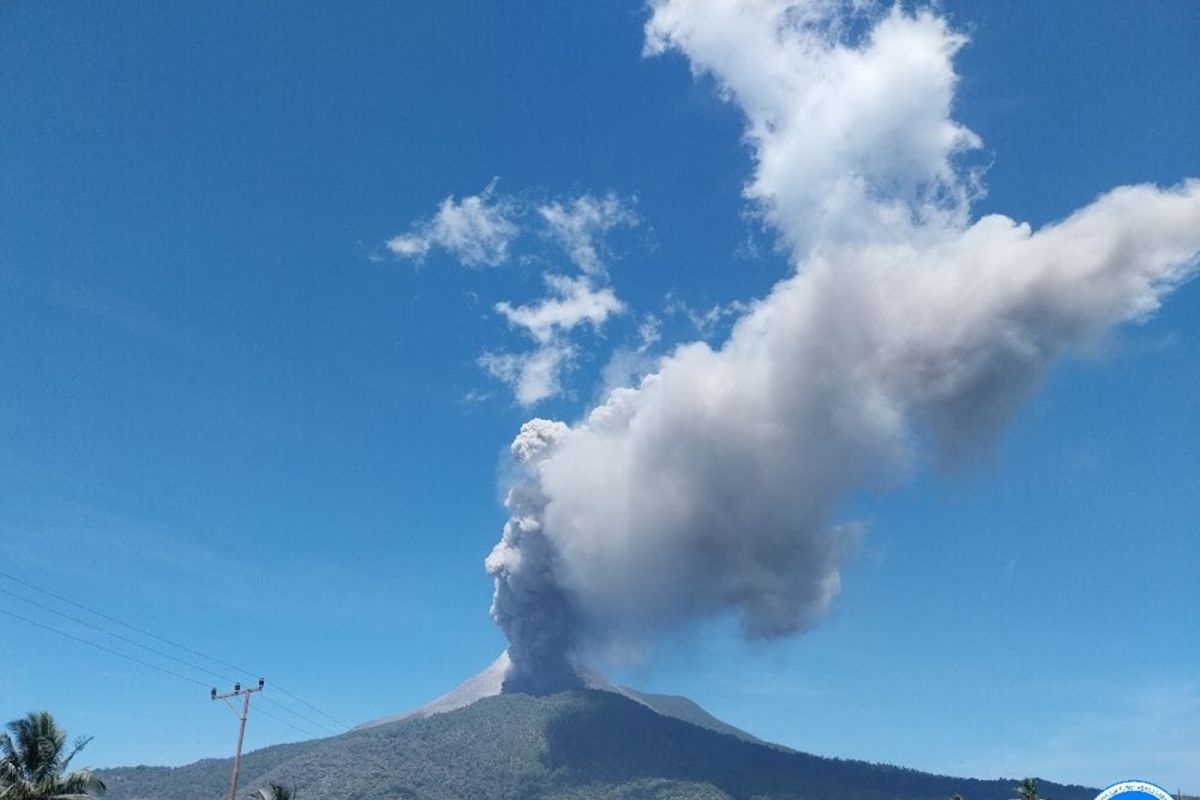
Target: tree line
[
  {"x": 35, "y": 764},
  {"x": 35, "y": 761}
]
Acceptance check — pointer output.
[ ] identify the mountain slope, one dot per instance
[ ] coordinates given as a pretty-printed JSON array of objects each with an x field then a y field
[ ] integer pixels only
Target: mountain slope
[
  {"x": 580, "y": 744},
  {"x": 673, "y": 705},
  {"x": 490, "y": 682}
]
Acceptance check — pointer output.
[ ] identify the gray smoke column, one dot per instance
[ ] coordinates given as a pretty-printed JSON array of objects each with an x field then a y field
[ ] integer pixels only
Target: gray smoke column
[
  {"x": 530, "y": 604},
  {"x": 907, "y": 333}
]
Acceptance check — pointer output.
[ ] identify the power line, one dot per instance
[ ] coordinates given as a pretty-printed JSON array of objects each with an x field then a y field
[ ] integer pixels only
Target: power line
[
  {"x": 172, "y": 673},
  {"x": 320, "y": 726},
  {"x": 163, "y": 639},
  {"x": 291, "y": 725},
  {"x": 321, "y": 730},
  {"x": 125, "y": 639},
  {"x": 334, "y": 720},
  {"x": 90, "y": 643},
  {"x": 143, "y": 632}
]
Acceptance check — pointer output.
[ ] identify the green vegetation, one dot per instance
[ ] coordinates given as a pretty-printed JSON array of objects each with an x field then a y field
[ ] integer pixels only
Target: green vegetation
[
  {"x": 274, "y": 791},
  {"x": 581, "y": 745},
  {"x": 1028, "y": 790},
  {"x": 34, "y": 759}
]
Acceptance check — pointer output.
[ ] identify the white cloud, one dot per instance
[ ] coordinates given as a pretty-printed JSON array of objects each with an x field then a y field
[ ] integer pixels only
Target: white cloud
[
  {"x": 570, "y": 302},
  {"x": 716, "y": 483},
  {"x": 649, "y": 332},
  {"x": 533, "y": 376},
  {"x": 625, "y": 367},
  {"x": 628, "y": 365},
  {"x": 715, "y": 486},
  {"x": 479, "y": 231},
  {"x": 705, "y": 322},
  {"x": 476, "y": 230},
  {"x": 579, "y": 225},
  {"x": 853, "y": 140}
]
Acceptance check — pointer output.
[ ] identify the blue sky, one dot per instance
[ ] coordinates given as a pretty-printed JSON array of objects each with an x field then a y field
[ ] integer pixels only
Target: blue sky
[{"x": 230, "y": 415}]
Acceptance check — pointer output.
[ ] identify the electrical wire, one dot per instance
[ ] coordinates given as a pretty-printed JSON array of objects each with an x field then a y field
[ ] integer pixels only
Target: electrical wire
[
  {"x": 165, "y": 640},
  {"x": 321, "y": 730},
  {"x": 125, "y": 639},
  {"x": 142, "y": 631},
  {"x": 334, "y": 720},
  {"x": 318, "y": 725},
  {"x": 293, "y": 726},
  {"x": 90, "y": 643}
]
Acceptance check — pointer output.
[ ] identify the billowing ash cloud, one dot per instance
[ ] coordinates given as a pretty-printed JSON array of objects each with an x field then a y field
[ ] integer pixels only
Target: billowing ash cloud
[
  {"x": 531, "y": 604},
  {"x": 907, "y": 331}
]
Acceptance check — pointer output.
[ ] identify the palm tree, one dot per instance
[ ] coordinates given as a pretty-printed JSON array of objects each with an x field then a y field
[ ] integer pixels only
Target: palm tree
[
  {"x": 274, "y": 791},
  {"x": 1027, "y": 790},
  {"x": 33, "y": 762}
]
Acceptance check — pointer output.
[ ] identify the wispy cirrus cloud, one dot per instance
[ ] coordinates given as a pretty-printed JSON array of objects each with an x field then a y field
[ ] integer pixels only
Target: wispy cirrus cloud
[
  {"x": 569, "y": 302},
  {"x": 1150, "y": 729},
  {"x": 482, "y": 229},
  {"x": 534, "y": 375},
  {"x": 580, "y": 224},
  {"x": 476, "y": 231}
]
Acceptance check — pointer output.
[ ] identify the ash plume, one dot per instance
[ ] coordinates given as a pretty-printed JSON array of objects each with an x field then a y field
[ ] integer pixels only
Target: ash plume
[
  {"x": 908, "y": 332},
  {"x": 530, "y": 604}
]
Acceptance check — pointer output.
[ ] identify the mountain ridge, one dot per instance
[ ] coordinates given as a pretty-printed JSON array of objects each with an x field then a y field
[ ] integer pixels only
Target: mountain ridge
[
  {"x": 490, "y": 682},
  {"x": 577, "y": 744}
]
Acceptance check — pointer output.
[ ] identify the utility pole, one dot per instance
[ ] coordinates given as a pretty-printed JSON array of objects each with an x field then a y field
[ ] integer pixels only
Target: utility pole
[{"x": 245, "y": 693}]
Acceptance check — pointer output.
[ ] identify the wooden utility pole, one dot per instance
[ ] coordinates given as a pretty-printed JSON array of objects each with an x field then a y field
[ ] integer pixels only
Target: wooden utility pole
[{"x": 245, "y": 693}]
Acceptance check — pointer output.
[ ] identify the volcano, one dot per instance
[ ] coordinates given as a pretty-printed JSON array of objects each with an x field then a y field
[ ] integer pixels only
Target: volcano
[
  {"x": 600, "y": 741},
  {"x": 491, "y": 682}
]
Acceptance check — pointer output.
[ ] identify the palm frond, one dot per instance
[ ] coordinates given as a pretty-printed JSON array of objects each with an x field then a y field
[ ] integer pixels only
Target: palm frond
[
  {"x": 80, "y": 743},
  {"x": 274, "y": 791},
  {"x": 33, "y": 762},
  {"x": 83, "y": 781}
]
